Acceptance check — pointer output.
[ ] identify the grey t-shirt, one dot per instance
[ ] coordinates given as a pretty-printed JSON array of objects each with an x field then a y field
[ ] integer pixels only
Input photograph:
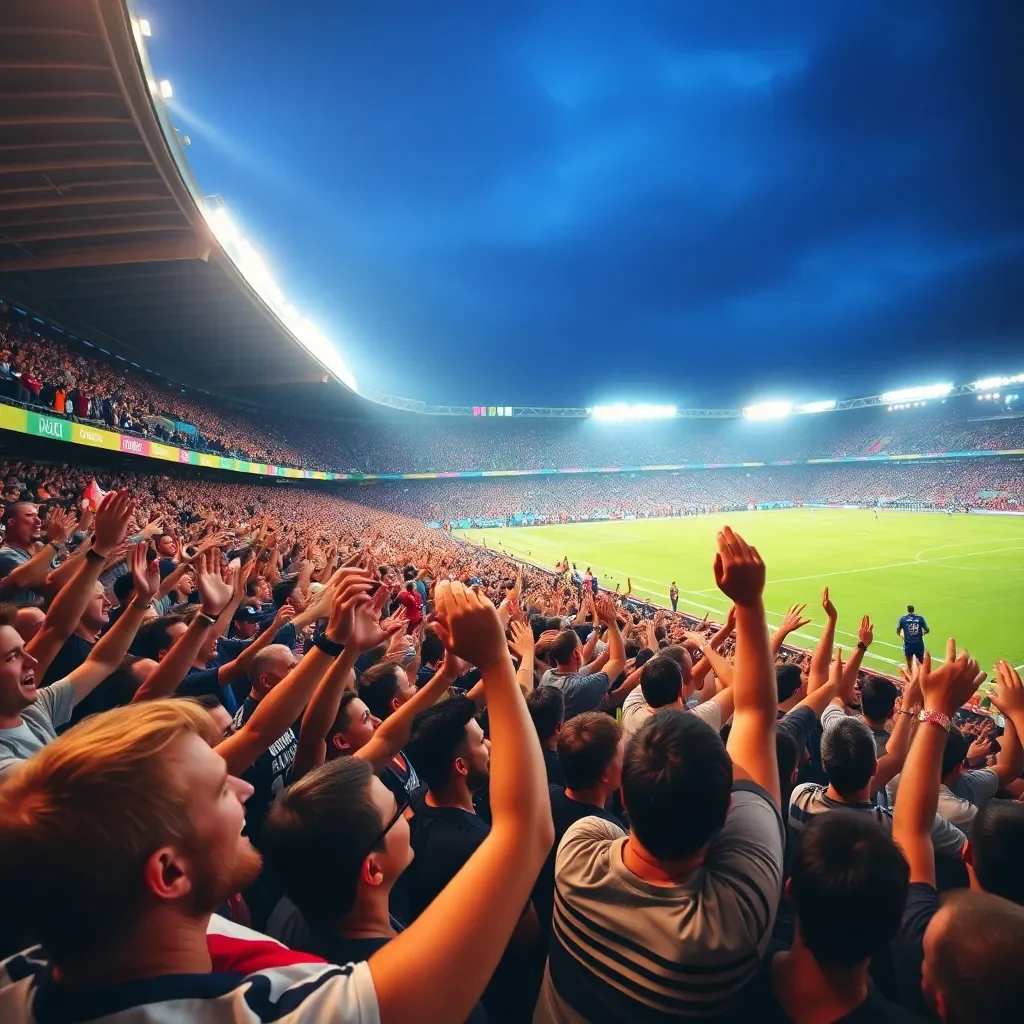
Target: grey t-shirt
[
  {"x": 581, "y": 692},
  {"x": 635, "y": 711},
  {"x": 10, "y": 559},
  {"x": 623, "y": 949},
  {"x": 959, "y": 803},
  {"x": 39, "y": 723}
]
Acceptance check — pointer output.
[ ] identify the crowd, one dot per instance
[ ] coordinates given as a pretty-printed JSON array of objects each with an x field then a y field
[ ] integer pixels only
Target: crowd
[
  {"x": 50, "y": 371},
  {"x": 271, "y": 754},
  {"x": 960, "y": 484}
]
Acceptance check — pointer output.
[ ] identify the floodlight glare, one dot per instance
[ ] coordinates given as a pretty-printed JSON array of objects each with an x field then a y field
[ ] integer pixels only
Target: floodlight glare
[
  {"x": 997, "y": 382},
  {"x": 144, "y": 28},
  {"x": 913, "y": 394},
  {"x": 165, "y": 89},
  {"x": 816, "y": 406},
  {"x": 622, "y": 411},
  {"x": 768, "y": 411}
]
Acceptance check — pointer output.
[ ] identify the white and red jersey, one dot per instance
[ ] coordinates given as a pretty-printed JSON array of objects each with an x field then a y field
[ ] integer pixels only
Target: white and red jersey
[{"x": 255, "y": 980}]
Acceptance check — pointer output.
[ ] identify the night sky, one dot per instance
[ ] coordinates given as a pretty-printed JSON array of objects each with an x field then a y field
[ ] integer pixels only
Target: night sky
[{"x": 566, "y": 203}]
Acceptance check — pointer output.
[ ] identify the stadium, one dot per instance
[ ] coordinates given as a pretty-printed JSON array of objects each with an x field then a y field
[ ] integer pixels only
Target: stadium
[{"x": 146, "y": 351}]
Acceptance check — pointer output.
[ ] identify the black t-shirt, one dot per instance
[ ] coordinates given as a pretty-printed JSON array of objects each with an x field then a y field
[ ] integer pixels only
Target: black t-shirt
[
  {"x": 553, "y": 767},
  {"x": 564, "y": 812},
  {"x": 72, "y": 653},
  {"x": 267, "y": 775},
  {"x": 443, "y": 839},
  {"x": 763, "y": 1007},
  {"x": 908, "y": 949}
]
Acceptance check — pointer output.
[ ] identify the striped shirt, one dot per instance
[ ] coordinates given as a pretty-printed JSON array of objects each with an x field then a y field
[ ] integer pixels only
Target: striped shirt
[
  {"x": 810, "y": 799},
  {"x": 623, "y": 949},
  {"x": 254, "y": 980}
]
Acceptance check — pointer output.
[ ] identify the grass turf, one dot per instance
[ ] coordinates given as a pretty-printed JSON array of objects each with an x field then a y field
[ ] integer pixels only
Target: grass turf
[{"x": 964, "y": 574}]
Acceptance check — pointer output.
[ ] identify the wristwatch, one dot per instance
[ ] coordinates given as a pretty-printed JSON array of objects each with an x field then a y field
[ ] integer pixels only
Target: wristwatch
[
  {"x": 936, "y": 718},
  {"x": 863, "y": 646}
]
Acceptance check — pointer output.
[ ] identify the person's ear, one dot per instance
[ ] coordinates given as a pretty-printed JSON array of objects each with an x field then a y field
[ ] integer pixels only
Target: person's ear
[
  {"x": 788, "y": 889},
  {"x": 461, "y": 767},
  {"x": 370, "y": 872},
  {"x": 339, "y": 743},
  {"x": 165, "y": 874}
]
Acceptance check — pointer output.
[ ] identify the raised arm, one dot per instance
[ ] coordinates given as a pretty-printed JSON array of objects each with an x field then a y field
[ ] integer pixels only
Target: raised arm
[
  {"x": 35, "y": 573},
  {"x": 703, "y": 667},
  {"x": 523, "y": 645},
  {"x": 793, "y": 621},
  {"x": 616, "y": 648},
  {"x": 822, "y": 656},
  {"x": 71, "y": 601},
  {"x": 111, "y": 648},
  {"x": 943, "y": 691},
  {"x": 891, "y": 763},
  {"x": 740, "y": 575},
  {"x": 286, "y": 701},
  {"x": 215, "y": 593},
  {"x": 1009, "y": 699},
  {"x": 439, "y": 966}
]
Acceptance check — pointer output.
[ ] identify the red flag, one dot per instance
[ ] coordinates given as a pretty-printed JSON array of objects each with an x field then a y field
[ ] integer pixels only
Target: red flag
[{"x": 93, "y": 495}]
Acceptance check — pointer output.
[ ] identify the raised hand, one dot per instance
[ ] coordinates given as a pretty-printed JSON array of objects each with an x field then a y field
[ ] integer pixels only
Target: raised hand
[
  {"x": 59, "y": 526},
  {"x": 605, "y": 610},
  {"x": 145, "y": 575},
  {"x": 522, "y": 639},
  {"x": 546, "y": 640},
  {"x": 866, "y": 633},
  {"x": 739, "y": 570},
  {"x": 214, "y": 590},
  {"x": 949, "y": 687},
  {"x": 794, "y": 620},
  {"x": 826, "y": 603},
  {"x": 112, "y": 518},
  {"x": 979, "y": 750},
  {"x": 283, "y": 616},
  {"x": 1008, "y": 695},
  {"x": 468, "y": 625}
]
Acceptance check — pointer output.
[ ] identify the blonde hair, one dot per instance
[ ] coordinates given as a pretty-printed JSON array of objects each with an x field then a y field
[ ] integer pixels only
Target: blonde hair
[{"x": 80, "y": 818}]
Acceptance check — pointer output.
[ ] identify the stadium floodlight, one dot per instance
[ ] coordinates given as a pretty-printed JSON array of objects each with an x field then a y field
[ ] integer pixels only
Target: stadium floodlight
[
  {"x": 997, "y": 382},
  {"x": 144, "y": 27},
  {"x": 915, "y": 394},
  {"x": 623, "y": 411},
  {"x": 165, "y": 89},
  {"x": 768, "y": 411},
  {"x": 816, "y": 406},
  {"x": 255, "y": 271}
]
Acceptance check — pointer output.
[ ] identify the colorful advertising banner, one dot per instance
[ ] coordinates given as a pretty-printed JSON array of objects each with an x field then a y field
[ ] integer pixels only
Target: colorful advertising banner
[{"x": 59, "y": 429}]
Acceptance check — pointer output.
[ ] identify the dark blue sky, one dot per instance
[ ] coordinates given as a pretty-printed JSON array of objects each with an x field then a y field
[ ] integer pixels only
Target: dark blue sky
[{"x": 520, "y": 202}]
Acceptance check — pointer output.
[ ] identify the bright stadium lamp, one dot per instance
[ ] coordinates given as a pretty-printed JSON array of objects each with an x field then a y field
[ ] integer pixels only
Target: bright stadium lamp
[
  {"x": 144, "y": 27},
  {"x": 165, "y": 89},
  {"x": 915, "y": 394},
  {"x": 622, "y": 411},
  {"x": 997, "y": 382},
  {"x": 817, "y": 406},
  {"x": 768, "y": 411}
]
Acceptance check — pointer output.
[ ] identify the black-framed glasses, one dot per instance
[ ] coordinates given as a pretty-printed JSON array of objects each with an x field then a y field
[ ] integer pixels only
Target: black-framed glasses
[{"x": 401, "y": 804}]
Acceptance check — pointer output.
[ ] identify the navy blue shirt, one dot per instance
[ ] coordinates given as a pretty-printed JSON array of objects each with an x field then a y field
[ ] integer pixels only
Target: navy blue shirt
[
  {"x": 913, "y": 628},
  {"x": 205, "y": 680}
]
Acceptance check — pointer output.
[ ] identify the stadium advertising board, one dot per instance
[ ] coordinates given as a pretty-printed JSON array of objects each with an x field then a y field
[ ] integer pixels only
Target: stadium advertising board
[{"x": 58, "y": 428}]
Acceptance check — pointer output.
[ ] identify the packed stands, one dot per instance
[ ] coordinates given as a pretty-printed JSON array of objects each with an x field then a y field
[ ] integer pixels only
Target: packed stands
[{"x": 68, "y": 378}]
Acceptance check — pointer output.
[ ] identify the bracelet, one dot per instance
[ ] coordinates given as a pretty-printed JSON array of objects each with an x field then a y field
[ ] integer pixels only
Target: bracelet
[
  {"x": 328, "y": 646},
  {"x": 208, "y": 619},
  {"x": 142, "y": 605},
  {"x": 935, "y": 718},
  {"x": 861, "y": 645},
  {"x": 95, "y": 556}
]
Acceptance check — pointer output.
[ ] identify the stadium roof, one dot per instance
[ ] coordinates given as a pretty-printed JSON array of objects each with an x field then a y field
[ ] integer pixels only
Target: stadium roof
[{"x": 100, "y": 229}]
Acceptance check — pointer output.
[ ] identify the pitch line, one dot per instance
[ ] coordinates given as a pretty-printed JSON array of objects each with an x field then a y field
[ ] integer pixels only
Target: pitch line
[{"x": 716, "y": 605}]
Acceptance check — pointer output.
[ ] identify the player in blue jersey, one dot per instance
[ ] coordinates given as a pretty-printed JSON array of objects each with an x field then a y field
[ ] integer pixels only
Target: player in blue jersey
[{"x": 913, "y": 629}]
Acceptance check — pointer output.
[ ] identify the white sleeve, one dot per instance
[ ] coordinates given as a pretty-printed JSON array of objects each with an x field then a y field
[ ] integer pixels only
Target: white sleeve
[
  {"x": 832, "y": 714},
  {"x": 709, "y": 712}
]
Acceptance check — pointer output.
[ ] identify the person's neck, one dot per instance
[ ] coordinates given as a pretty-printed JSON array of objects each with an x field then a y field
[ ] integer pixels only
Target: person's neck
[
  {"x": 596, "y": 796},
  {"x": 811, "y": 994},
  {"x": 165, "y": 943},
  {"x": 872, "y": 723},
  {"x": 790, "y": 703},
  {"x": 11, "y": 721},
  {"x": 370, "y": 918},
  {"x": 87, "y": 633},
  {"x": 646, "y": 866},
  {"x": 859, "y": 796},
  {"x": 566, "y": 670},
  {"x": 456, "y": 795}
]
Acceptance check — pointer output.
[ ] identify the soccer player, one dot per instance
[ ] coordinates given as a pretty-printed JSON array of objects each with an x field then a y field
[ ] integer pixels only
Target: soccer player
[{"x": 913, "y": 629}]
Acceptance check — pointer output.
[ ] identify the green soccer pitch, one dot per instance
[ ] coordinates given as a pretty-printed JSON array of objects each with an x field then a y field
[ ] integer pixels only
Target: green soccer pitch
[{"x": 963, "y": 573}]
